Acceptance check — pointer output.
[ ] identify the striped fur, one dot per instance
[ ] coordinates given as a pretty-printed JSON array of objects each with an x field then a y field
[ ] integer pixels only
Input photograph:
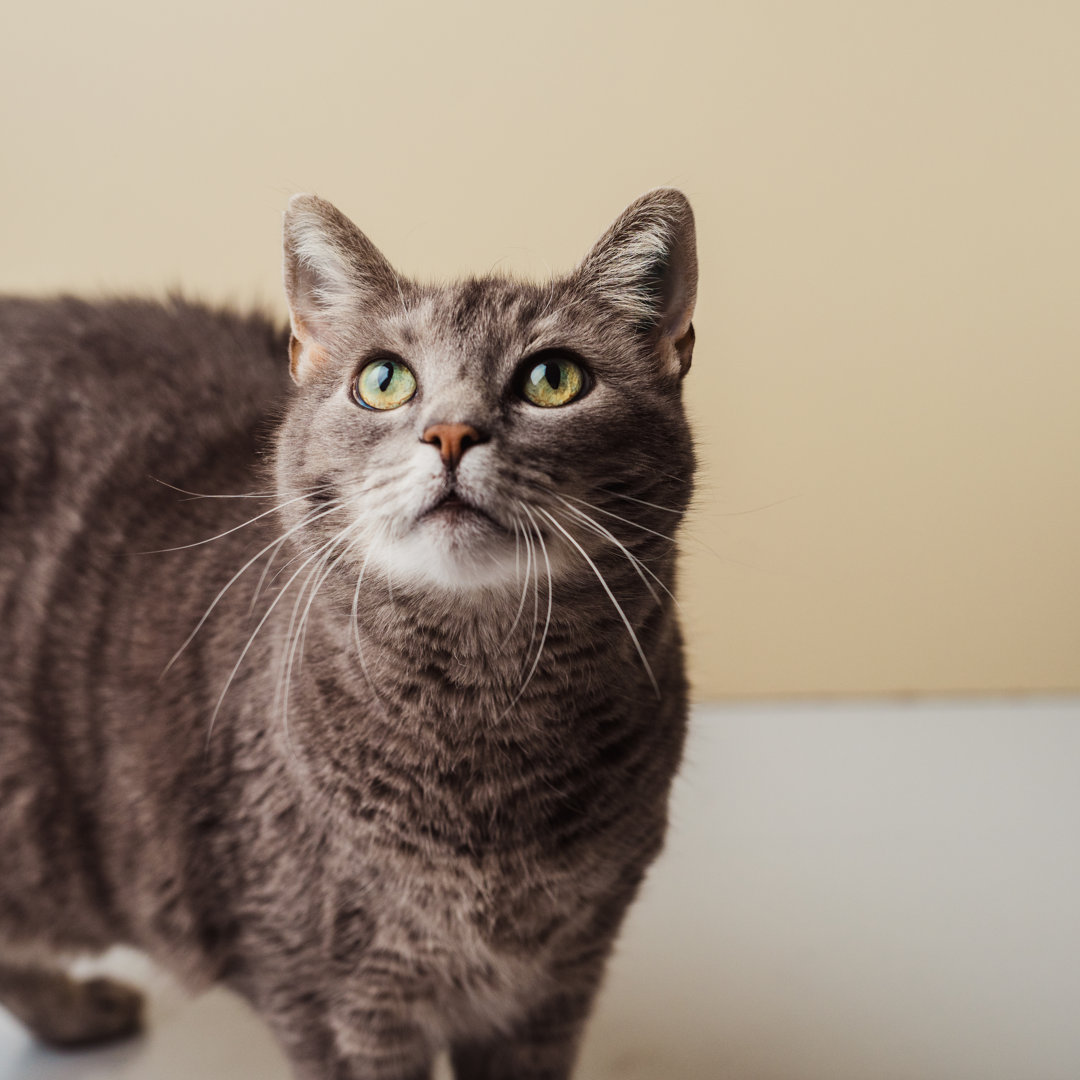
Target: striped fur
[{"x": 400, "y": 785}]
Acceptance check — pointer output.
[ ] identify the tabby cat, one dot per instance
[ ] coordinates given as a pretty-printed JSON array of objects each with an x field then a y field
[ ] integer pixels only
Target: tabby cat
[{"x": 361, "y": 694}]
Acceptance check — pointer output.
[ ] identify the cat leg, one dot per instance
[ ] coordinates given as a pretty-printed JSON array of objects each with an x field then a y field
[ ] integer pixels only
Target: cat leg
[
  {"x": 543, "y": 1046},
  {"x": 379, "y": 1044},
  {"x": 347, "y": 1042},
  {"x": 386, "y": 1062},
  {"x": 68, "y": 1013}
]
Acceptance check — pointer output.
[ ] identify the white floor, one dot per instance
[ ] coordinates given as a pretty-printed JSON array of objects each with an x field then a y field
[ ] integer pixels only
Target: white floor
[{"x": 860, "y": 891}]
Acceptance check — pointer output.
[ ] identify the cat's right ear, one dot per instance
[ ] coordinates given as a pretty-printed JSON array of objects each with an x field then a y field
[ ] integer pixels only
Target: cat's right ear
[
  {"x": 331, "y": 270},
  {"x": 645, "y": 268}
]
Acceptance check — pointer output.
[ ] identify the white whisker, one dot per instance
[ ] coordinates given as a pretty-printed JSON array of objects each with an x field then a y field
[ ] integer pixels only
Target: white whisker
[
  {"x": 295, "y": 641},
  {"x": 639, "y": 566},
  {"x": 534, "y": 563},
  {"x": 547, "y": 622},
  {"x": 355, "y": 618},
  {"x": 640, "y": 502},
  {"x": 217, "y": 599},
  {"x": 517, "y": 570},
  {"x": 254, "y": 635},
  {"x": 227, "y": 532},
  {"x": 273, "y": 494},
  {"x": 611, "y": 597},
  {"x": 551, "y": 598},
  {"x": 626, "y": 521}
]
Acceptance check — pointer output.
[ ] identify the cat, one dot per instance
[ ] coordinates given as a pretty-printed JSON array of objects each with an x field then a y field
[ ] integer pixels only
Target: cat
[{"x": 362, "y": 692}]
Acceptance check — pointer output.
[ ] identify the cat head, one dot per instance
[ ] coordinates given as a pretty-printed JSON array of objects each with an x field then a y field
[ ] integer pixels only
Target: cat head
[{"x": 447, "y": 437}]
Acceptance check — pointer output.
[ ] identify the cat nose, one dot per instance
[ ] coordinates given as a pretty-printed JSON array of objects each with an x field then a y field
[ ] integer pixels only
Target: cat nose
[{"x": 452, "y": 440}]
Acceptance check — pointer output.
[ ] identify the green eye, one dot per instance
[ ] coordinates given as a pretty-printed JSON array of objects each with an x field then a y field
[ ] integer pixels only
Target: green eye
[
  {"x": 384, "y": 384},
  {"x": 553, "y": 382}
]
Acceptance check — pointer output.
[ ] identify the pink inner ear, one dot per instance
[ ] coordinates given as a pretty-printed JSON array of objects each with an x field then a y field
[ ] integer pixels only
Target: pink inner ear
[
  {"x": 295, "y": 349},
  {"x": 305, "y": 355},
  {"x": 684, "y": 348}
]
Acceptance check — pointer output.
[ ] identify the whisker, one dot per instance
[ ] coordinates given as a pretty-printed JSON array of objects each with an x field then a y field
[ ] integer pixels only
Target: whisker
[
  {"x": 280, "y": 688},
  {"x": 331, "y": 562},
  {"x": 611, "y": 597},
  {"x": 217, "y": 599},
  {"x": 285, "y": 566},
  {"x": 547, "y": 621},
  {"x": 688, "y": 533},
  {"x": 254, "y": 635},
  {"x": 672, "y": 476},
  {"x": 525, "y": 580},
  {"x": 262, "y": 579},
  {"x": 640, "y": 502},
  {"x": 517, "y": 547},
  {"x": 721, "y": 513},
  {"x": 295, "y": 643},
  {"x": 228, "y": 532},
  {"x": 535, "y": 564},
  {"x": 639, "y": 566},
  {"x": 626, "y": 521},
  {"x": 758, "y": 509},
  {"x": 355, "y": 618},
  {"x": 273, "y": 494},
  {"x": 551, "y": 597}
]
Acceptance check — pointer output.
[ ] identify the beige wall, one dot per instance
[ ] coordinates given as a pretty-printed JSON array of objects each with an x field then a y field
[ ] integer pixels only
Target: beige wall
[{"x": 887, "y": 382}]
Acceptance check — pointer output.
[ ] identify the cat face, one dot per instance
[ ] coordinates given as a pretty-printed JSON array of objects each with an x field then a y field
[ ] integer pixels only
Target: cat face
[{"x": 458, "y": 437}]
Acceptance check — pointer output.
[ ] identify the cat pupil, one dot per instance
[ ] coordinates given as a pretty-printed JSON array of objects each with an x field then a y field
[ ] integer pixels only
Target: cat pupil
[
  {"x": 553, "y": 375},
  {"x": 385, "y": 376}
]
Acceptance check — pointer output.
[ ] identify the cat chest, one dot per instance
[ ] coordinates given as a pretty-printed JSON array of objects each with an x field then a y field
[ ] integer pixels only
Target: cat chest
[{"x": 471, "y": 946}]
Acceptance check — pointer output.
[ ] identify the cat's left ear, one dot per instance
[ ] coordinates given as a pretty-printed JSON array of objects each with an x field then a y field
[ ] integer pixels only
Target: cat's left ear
[
  {"x": 645, "y": 266},
  {"x": 332, "y": 270}
]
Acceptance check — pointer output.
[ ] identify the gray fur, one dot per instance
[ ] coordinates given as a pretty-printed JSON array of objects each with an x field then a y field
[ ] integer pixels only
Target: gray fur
[{"x": 413, "y": 814}]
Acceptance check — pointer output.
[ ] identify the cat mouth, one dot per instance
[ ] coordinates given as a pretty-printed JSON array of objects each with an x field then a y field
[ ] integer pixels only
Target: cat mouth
[{"x": 455, "y": 510}]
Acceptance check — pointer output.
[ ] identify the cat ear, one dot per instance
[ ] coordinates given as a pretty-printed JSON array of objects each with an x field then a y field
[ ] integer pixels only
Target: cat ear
[
  {"x": 331, "y": 270},
  {"x": 645, "y": 266}
]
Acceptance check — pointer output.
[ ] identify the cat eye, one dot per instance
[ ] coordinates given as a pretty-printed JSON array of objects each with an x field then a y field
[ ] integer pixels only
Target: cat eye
[
  {"x": 552, "y": 381},
  {"x": 386, "y": 383}
]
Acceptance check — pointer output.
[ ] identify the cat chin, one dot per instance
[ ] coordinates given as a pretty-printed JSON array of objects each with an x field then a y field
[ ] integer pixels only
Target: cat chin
[{"x": 430, "y": 559}]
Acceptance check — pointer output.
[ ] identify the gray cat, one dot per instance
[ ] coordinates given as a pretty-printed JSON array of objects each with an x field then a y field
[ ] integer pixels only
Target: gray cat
[{"x": 361, "y": 696}]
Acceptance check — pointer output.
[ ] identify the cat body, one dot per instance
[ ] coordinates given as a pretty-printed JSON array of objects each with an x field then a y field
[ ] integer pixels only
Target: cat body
[{"x": 390, "y": 753}]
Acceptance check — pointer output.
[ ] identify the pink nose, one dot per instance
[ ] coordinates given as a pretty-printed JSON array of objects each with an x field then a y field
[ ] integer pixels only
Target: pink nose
[{"x": 452, "y": 440}]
